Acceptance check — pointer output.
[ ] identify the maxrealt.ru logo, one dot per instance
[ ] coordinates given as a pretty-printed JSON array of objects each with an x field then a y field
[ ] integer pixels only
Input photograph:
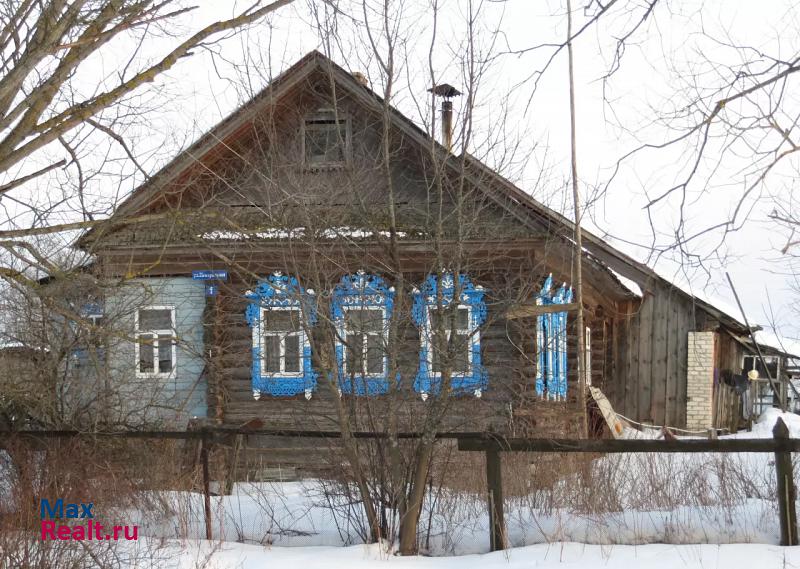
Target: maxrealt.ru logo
[{"x": 86, "y": 529}]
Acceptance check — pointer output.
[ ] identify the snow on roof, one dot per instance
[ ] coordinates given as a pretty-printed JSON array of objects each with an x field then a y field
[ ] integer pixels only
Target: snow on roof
[
  {"x": 629, "y": 284},
  {"x": 295, "y": 232},
  {"x": 772, "y": 340}
]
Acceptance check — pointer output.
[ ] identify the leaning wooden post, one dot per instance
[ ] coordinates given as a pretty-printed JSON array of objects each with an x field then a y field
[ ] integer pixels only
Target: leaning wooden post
[
  {"x": 494, "y": 483},
  {"x": 786, "y": 489},
  {"x": 206, "y": 483}
]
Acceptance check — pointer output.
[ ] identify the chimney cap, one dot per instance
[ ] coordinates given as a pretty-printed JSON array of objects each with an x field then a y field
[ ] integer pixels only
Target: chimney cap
[
  {"x": 360, "y": 77},
  {"x": 444, "y": 90}
]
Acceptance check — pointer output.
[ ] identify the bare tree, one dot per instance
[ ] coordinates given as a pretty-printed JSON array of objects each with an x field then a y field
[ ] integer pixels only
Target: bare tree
[{"x": 52, "y": 94}]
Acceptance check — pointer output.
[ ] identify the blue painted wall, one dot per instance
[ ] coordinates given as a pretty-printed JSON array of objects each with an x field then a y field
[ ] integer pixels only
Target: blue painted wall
[{"x": 171, "y": 400}]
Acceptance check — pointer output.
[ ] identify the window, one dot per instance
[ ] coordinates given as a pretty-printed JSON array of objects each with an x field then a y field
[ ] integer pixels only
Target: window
[
  {"x": 364, "y": 351},
  {"x": 587, "y": 343},
  {"x": 763, "y": 396},
  {"x": 551, "y": 343},
  {"x": 361, "y": 307},
  {"x": 279, "y": 313},
  {"x": 281, "y": 350},
  {"x": 453, "y": 349},
  {"x": 326, "y": 139},
  {"x": 155, "y": 341},
  {"x": 450, "y": 338}
]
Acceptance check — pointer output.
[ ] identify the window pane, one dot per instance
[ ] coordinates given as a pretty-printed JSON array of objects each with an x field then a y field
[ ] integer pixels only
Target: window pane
[
  {"x": 362, "y": 320},
  {"x": 150, "y": 319},
  {"x": 435, "y": 319},
  {"x": 436, "y": 361},
  {"x": 353, "y": 356},
  {"x": 292, "y": 354},
  {"x": 164, "y": 353},
  {"x": 146, "y": 353},
  {"x": 462, "y": 318},
  {"x": 325, "y": 142},
  {"x": 282, "y": 320},
  {"x": 374, "y": 354},
  {"x": 272, "y": 354},
  {"x": 460, "y": 351}
]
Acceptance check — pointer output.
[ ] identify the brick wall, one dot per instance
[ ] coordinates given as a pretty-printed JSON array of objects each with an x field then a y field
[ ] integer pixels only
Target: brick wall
[{"x": 700, "y": 380}]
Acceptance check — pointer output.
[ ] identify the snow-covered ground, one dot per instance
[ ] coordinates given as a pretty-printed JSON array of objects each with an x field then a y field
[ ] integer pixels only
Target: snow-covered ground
[
  {"x": 671, "y": 510},
  {"x": 560, "y": 555},
  {"x": 628, "y": 499}
]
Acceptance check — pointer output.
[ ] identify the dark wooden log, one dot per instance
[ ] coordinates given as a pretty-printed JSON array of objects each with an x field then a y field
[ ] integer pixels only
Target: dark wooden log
[
  {"x": 786, "y": 489},
  {"x": 494, "y": 483},
  {"x": 531, "y": 310}
]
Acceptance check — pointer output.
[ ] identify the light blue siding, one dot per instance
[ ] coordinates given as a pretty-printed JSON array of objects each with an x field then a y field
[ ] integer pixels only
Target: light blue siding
[{"x": 171, "y": 400}]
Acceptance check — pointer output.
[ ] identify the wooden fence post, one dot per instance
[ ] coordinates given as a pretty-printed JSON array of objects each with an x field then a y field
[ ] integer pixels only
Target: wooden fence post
[
  {"x": 494, "y": 483},
  {"x": 786, "y": 490},
  {"x": 206, "y": 483}
]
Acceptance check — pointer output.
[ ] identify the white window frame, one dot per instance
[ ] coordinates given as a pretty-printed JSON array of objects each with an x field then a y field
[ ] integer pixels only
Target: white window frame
[
  {"x": 258, "y": 341},
  {"x": 383, "y": 334},
  {"x": 587, "y": 360},
  {"x": 174, "y": 342},
  {"x": 474, "y": 334}
]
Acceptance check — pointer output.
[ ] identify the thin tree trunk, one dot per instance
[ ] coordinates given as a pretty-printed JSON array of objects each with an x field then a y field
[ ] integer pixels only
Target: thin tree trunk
[
  {"x": 416, "y": 495},
  {"x": 576, "y": 200}
]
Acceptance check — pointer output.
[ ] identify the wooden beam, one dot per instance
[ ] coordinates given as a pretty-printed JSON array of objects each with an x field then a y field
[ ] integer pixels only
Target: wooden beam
[
  {"x": 531, "y": 310},
  {"x": 787, "y": 495},
  {"x": 629, "y": 445},
  {"x": 494, "y": 483}
]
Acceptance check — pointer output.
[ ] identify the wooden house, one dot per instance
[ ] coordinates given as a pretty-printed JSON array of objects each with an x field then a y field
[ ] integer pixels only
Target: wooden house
[{"x": 317, "y": 251}]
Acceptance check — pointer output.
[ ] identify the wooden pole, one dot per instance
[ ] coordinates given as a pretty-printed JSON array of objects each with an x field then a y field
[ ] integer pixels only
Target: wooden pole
[
  {"x": 206, "y": 485},
  {"x": 786, "y": 490},
  {"x": 775, "y": 388},
  {"x": 494, "y": 483},
  {"x": 578, "y": 251}
]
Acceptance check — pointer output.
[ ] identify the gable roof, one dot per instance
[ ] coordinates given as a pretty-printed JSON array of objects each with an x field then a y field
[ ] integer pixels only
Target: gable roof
[{"x": 507, "y": 195}]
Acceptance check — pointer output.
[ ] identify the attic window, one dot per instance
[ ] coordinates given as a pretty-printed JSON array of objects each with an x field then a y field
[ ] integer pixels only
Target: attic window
[{"x": 326, "y": 139}]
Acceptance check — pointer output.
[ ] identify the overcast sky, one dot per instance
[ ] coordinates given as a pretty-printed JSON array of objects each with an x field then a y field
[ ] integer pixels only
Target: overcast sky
[{"x": 660, "y": 63}]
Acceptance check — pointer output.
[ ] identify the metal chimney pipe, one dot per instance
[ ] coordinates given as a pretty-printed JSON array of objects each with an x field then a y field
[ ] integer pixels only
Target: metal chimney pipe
[{"x": 447, "y": 92}]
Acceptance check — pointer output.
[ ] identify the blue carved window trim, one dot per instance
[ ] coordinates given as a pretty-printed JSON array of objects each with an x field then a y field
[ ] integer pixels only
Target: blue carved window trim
[
  {"x": 361, "y": 291},
  {"x": 551, "y": 343},
  {"x": 281, "y": 292},
  {"x": 475, "y": 379}
]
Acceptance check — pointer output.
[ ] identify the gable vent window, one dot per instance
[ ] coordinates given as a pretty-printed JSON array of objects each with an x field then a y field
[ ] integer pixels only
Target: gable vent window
[{"x": 326, "y": 140}]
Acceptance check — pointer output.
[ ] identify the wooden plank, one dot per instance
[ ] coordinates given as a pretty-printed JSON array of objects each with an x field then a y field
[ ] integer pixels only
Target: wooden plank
[
  {"x": 644, "y": 376},
  {"x": 630, "y": 445},
  {"x": 494, "y": 484},
  {"x": 671, "y": 371},
  {"x": 661, "y": 322},
  {"x": 631, "y": 377},
  {"x": 787, "y": 494},
  {"x": 533, "y": 310},
  {"x": 685, "y": 312}
]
